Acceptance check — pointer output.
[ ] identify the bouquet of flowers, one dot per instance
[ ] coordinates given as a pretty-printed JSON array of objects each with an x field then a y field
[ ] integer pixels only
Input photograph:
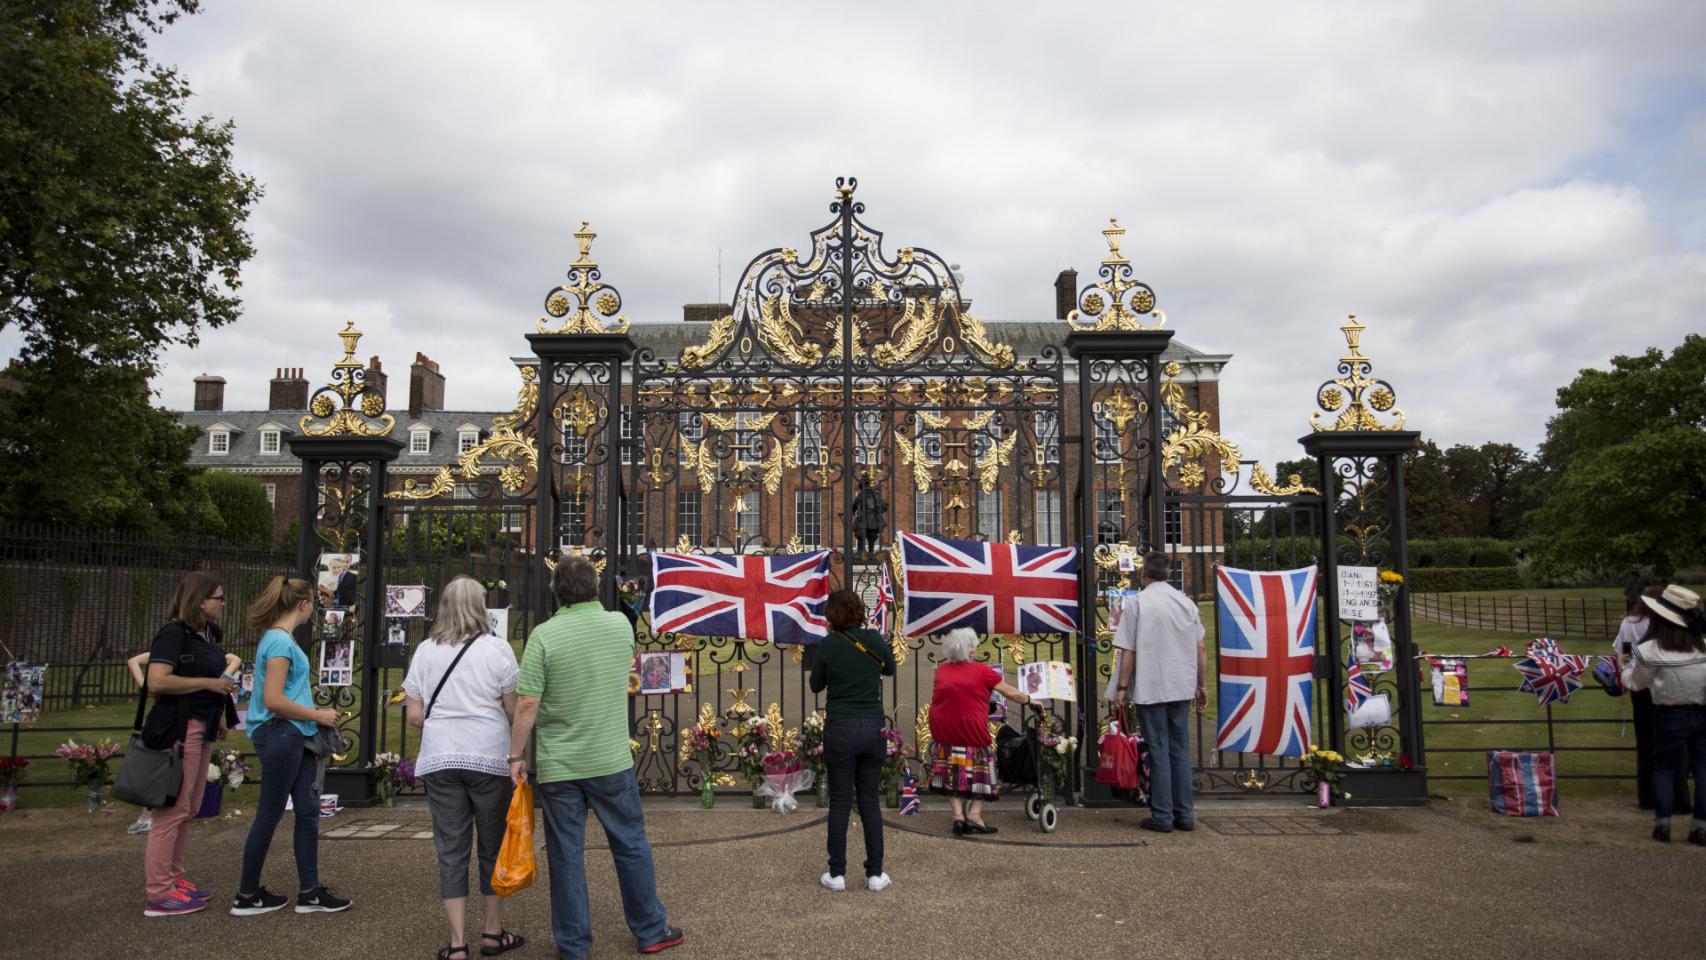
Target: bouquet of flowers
[
  {"x": 1324, "y": 767},
  {"x": 1058, "y": 750},
  {"x": 631, "y": 592},
  {"x": 754, "y": 737},
  {"x": 894, "y": 754},
  {"x": 228, "y": 768},
  {"x": 88, "y": 761},
  {"x": 12, "y": 771},
  {"x": 1391, "y": 582},
  {"x": 808, "y": 743},
  {"x": 384, "y": 770},
  {"x": 784, "y": 776}
]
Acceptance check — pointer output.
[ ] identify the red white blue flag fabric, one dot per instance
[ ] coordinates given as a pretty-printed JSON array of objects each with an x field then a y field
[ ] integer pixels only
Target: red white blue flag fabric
[
  {"x": 1549, "y": 673},
  {"x": 885, "y": 603},
  {"x": 1357, "y": 687},
  {"x": 989, "y": 587},
  {"x": 1267, "y": 660},
  {"x": 777, "y": 598}
]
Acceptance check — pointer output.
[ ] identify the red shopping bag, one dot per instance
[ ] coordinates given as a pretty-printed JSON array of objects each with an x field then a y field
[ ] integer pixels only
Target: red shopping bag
[{"x": 1121, "y": 763}]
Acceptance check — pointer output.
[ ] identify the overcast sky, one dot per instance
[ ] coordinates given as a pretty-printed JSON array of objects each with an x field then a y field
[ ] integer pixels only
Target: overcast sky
[{"x": 1503, "y": 193}]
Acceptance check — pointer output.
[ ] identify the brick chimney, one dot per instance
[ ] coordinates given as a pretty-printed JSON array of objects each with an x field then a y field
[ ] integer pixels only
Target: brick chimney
[
  {"x": 209, "y": 393},
  {"x": 426, "y": 386},
  {"x": 704, "y": 312},
  {"x": 376, "y": 377},
  {"x": 1065, "y": 293},
  {"x": 289, "y": 390}
]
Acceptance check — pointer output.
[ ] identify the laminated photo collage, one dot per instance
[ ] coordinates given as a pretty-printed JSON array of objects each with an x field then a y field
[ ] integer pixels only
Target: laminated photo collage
[{"x": 21, "y": 696}]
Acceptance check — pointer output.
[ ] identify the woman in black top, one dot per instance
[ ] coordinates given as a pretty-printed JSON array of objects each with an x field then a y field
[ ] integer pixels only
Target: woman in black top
[
  {"x": 192, "y": 707},
  {"x": 850, "y": 664}
]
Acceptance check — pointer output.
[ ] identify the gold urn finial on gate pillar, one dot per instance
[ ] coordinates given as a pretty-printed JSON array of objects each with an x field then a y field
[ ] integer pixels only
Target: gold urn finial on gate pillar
[
  {"x": 1355, "y": 394},
  {"x": 362, "y": 413},
  {"x": 1116, "y": 302},
  {"x": 586, "y": 303}
]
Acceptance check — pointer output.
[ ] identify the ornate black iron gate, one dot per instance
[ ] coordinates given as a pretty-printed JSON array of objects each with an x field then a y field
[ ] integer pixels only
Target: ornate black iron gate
[{"x": 847, "y": 393}]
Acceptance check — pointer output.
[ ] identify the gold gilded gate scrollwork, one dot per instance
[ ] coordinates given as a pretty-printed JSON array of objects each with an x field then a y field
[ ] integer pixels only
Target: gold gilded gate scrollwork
[{"x": 510, "y": 442}]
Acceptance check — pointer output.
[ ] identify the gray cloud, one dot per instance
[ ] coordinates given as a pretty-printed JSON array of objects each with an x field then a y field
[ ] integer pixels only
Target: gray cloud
[{"x": 1504, "y": 193}]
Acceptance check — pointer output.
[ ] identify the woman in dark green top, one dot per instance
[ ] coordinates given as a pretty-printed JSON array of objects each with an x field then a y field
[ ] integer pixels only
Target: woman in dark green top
[{"x": 851, "y": 663}]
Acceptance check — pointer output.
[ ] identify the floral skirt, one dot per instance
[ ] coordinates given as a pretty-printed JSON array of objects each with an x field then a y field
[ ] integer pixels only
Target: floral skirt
[{"x": 964, "y": 771}]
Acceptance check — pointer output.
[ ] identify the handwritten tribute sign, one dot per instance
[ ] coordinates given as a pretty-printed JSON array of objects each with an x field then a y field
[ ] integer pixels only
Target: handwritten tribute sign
[{"x": 1359, "y": 593}]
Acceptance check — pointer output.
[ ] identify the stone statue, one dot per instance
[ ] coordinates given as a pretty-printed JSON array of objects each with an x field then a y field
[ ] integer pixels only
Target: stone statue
[{"x": 868, "y": 510}]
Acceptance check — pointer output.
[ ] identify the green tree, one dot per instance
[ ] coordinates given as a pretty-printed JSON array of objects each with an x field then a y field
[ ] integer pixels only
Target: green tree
[
  {"x": 240, "y": 513},
  {"x": 121, "y": 218},
  {"x": 121, "y": 232},
  {"x": 1434, "y": 506},
  {"x": 80, "y": 444},
  {"x": 1625, "y": 467}
]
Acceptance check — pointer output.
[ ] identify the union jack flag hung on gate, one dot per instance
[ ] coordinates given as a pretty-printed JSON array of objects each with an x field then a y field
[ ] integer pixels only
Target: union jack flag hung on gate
[
  {"x": 885, "y": 603},
  {"x": 989, "y": 587},
  {"x": 1267, "y": 660},
  {"x": 1549, "y": 673},
  {"x": 777, "y": 598},
  {"x": 1357, "y": 687}
]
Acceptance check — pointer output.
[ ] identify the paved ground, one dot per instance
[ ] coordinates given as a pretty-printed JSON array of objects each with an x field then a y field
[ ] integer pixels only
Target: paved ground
[{"x": 1252, "y": 881}]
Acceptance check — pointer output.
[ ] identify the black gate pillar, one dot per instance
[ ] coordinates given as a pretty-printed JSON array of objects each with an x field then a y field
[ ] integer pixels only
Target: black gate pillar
[
  {"x": 581, "y": 360},
  {"x": 1361, "y": 461},
  {"x": 1119, "y": 371},
  {"x": 341, "y": 510}
]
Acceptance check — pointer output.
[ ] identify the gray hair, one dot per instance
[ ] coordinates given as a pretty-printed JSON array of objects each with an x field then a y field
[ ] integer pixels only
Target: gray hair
[
  {"x": 1157, "y": 565},
  {"x": 461, "y": 612},
  {"x": 575, "y": 580},
  {"x": 959, "y": 644}
]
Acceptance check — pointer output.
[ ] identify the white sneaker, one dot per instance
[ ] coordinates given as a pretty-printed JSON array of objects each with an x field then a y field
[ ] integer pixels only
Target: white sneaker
[
  {"x": 837, "y": 884},
  {"x": 143, "y": 824},
  {"x": 878, "y": 883}
]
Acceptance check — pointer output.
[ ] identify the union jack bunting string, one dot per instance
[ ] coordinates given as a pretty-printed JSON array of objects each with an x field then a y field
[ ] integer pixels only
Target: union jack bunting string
[
  {"x": 989, "y": 587},
  {"x": 1357, "y": 687},
  {"x": 777, "y": 598},
  {"x": 1267, "y": 660},
  {"x": 885, "y": 603}
]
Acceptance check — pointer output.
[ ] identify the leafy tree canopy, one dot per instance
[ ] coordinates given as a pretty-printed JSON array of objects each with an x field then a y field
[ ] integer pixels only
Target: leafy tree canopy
[
  {"x": 1625, "y": 467},
  {"x": 121, "y": 218}
]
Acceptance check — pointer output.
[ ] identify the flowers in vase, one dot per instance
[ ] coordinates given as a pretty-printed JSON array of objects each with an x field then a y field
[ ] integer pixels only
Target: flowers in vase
[
  {"x": 228, "y": 768},
  {"x": 808, "y": 743},
  {"x": 89, "y": 761},
  {"x": 383, "y": 771},
  {"x": 700, "y": 742},
  {"x": 894, "y": 754},
  {"x": 1324, "y": 766},
  {"x": 12, "y": 771},
  {"x": 754, "y": 740}
]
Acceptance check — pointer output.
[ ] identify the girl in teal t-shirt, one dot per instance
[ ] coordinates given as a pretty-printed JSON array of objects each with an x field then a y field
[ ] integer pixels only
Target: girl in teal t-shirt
[{"x": 282, "y": 722}]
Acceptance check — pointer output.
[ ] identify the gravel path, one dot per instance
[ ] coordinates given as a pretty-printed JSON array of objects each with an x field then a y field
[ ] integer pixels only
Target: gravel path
[{"x": 1273, "y": 880}]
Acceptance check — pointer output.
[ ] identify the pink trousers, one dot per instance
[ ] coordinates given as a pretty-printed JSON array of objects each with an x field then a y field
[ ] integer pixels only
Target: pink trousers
[{"x": 163, "y": 865}]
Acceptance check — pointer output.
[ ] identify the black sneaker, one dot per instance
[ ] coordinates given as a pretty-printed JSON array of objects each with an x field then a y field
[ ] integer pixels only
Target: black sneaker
[
  {"x": 320, "y": 900},
  {"x": 257, "y": 903},
  {"x": 672, "y": 937}
]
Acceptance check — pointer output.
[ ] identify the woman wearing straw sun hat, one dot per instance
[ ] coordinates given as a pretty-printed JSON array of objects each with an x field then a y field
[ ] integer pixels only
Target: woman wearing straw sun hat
[{"x": 1671, "y": 662}]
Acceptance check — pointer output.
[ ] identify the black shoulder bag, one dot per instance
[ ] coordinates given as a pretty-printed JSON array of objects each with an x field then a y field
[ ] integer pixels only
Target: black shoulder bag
[
  {"x": 448, "y": 671},
  {"x": 150, "y": 777}
]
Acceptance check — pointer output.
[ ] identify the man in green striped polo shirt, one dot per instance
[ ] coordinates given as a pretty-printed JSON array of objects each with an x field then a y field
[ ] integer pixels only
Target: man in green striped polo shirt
[{"x": 573, "y": 692}]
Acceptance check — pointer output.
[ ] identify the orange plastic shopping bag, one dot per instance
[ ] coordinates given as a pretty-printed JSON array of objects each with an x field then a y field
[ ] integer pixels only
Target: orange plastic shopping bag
[{"x": 515, "y": 868}]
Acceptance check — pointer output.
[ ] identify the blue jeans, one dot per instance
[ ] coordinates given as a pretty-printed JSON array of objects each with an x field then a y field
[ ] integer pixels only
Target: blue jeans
[
  {"x": 287, "y": 770},
  {"x": 853, "y": 753},
  {"x": 1679, "y": 733},
  {"x": 616, "y": 800},
  {"x": 1166, "y": 730}
]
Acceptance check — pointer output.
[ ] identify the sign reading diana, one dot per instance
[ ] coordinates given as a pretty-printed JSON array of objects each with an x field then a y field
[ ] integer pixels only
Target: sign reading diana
[{"x": 1359, "y": 593}]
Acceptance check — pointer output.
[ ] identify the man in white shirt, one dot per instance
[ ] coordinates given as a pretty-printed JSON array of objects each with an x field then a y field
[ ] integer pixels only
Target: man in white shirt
[{"x": 1165, "y": 672}]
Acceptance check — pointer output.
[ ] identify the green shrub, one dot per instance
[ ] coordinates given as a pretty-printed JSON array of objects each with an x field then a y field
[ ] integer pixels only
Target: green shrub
[
  {"x": 1462, "y": 579},
  {"x": 1462, "y": 552}
]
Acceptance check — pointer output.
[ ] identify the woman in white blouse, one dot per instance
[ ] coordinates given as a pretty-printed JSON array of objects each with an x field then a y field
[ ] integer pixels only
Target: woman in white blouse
[{"x": 460, "y": 691}]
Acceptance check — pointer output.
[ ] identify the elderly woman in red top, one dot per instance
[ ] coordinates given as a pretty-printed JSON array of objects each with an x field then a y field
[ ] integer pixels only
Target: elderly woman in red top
[{"x": 964, "y": 757}]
